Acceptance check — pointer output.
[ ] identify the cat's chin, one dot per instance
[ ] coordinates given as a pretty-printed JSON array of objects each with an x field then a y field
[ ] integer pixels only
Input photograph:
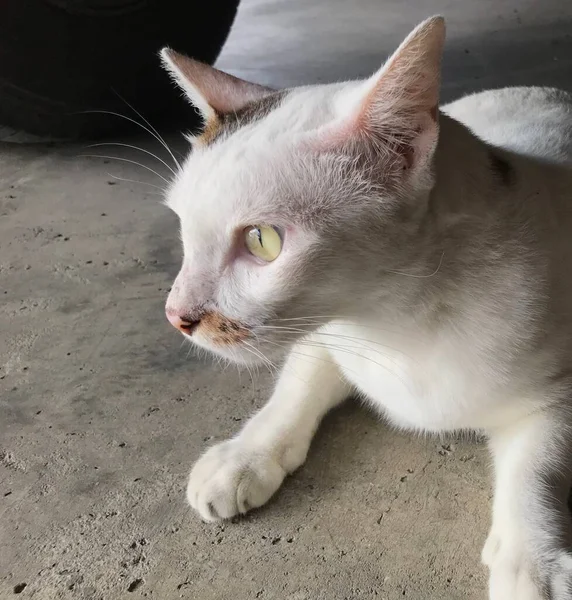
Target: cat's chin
[{"x": 247, "y": 356}]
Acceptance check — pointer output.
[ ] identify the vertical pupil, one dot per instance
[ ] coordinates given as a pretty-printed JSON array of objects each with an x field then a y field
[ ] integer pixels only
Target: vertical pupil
[{"x": 259, "y": 235}]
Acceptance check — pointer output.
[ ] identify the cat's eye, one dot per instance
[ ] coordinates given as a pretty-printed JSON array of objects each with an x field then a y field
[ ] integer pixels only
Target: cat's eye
[{"x": 263, "y": 241}]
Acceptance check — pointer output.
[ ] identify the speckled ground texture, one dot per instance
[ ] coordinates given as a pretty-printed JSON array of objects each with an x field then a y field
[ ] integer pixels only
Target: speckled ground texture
[{"x": 102, "y": 411}]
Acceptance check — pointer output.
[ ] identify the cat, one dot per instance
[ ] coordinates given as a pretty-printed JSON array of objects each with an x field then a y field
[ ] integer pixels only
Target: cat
[{"x": 385, "y": 248}]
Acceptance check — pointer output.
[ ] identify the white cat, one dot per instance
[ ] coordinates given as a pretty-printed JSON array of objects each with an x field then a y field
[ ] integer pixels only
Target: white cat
[{"x": 418, "y": 258}]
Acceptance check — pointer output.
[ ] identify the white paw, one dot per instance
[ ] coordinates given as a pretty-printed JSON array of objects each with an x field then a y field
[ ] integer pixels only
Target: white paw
[
  {"x": 512, "y": 575},
  {"x": 232, "y": 478}
]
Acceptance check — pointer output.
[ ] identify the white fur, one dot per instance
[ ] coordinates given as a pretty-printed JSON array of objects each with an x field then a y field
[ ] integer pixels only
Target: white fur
[
  {"x": 541, "y": 127},
  {"x": 243, "y": 473},
  {"x": 433, "y": 285}
]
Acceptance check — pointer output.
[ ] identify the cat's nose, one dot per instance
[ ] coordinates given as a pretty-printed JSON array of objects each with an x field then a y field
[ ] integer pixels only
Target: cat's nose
[{"x": 182, "y": 323}]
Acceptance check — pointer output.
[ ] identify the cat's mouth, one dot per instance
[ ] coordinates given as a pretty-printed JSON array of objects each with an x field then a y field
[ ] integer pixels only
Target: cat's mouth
[
  {"x": 230, "y": 338},
  {"x": 212, "y": 326}
]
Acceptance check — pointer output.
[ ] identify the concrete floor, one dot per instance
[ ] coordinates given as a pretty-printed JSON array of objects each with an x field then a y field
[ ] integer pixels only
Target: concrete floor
[{"x": 102, "y": 412}]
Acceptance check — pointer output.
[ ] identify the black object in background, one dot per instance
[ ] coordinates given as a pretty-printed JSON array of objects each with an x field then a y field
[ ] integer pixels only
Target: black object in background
[{"x": 59, "y": 58}]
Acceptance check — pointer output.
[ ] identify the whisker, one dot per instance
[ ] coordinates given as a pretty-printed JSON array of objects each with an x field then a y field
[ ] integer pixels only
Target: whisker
[
  {"x": 260, "y": 355},
  {"x": 265, "y": 360},
  {"x": 421, "y": 276},
  {"x": 311, "y": 322},
  {"x": 342, "y": 337},
  {"x": 133, "y": 162},
  {"x": 346, "y": 347},
  {"x": 347, "y": 351},
  {"x": 139, "y": 182},
  {"x": 329, "y": 317},
  {"x": 159, "y": 137},
  {"x": 295, "y": 352},
  {"x": 274, "y": 372},
  {"x": 149, "y": 131},
  {"x": 134, "y": 148}
]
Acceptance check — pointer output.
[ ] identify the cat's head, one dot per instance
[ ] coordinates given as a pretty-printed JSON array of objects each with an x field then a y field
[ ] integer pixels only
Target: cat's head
[{"x": 292, "y": 202}]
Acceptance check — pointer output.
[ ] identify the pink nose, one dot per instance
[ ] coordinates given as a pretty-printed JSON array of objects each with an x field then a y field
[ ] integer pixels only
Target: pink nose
[{"x": 183, "y": 324}]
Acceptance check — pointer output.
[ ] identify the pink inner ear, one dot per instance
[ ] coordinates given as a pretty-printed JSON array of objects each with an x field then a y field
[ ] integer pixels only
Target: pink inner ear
[
  {"x": 208, "y": 87},
  {"x": 396, "y": 110},
  {"x": 226, "y": 93}
]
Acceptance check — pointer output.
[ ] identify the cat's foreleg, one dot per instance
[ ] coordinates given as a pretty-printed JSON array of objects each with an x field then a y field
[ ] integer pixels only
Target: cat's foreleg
[
  {"x": 528, "y": 550},
  {"x": 244, "y": 472}
]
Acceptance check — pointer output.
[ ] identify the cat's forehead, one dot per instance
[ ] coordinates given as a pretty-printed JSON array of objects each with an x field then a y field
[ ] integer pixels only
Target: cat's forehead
[
  {"x": 280, "y": 113},
  {"x": 226, "y": 182},
  {"x": 237, "y": 166}
]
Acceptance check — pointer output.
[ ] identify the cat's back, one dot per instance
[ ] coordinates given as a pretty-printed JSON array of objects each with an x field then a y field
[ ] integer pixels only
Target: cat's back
[{"x": 535, "y": 121}]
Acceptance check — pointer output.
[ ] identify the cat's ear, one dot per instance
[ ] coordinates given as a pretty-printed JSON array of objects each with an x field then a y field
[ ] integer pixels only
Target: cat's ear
[
  {"x": 397, "y": 108},
  {"x": 209, "y": 90}
]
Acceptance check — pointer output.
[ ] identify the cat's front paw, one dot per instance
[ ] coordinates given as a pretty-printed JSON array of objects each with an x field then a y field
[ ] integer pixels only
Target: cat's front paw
[
  {"x": 231, "y": 478},
  {"x": 516, "y": 574}
]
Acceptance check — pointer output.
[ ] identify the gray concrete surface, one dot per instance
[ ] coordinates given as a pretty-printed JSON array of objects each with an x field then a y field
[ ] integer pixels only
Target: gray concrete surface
[{"x": 102, "y": 411}]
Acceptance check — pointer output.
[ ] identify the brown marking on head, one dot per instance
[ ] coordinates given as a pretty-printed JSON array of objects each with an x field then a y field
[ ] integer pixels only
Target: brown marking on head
[
  {"x": 210, "y": 131},
  {"x": 221, "y": 330},
  {"x": 225, "y": 124}
]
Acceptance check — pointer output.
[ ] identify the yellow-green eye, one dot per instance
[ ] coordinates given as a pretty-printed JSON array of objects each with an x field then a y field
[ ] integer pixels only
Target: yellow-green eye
[{"x": 263, "y": 242}]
